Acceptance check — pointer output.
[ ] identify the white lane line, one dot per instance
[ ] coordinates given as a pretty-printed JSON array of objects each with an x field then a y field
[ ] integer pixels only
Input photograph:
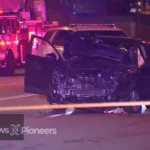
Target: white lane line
[
  {"x": 57, "y": 115},
  {"x": 17, "y": 97},
  {"x": 10, "y": 84}
]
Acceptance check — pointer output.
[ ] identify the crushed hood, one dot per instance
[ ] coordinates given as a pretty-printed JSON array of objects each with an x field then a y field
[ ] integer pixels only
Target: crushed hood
[{"x": 102, "y": 48}]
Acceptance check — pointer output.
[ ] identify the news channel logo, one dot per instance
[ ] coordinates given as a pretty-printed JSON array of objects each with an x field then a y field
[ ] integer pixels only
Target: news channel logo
[
  {"x": 11, "y": 126},
  {"x": 16, "y": 130}
]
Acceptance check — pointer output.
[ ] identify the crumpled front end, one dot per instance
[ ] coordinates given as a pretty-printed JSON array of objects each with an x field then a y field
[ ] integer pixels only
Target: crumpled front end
[{"x": 90, "y": 84}]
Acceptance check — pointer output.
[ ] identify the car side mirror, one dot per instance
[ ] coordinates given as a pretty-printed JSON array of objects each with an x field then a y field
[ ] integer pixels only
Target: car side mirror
[{"x": 51, "y": 56}]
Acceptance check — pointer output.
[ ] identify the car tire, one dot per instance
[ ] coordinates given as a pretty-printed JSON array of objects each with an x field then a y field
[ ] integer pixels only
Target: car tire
[
  {"x": 133, "y": 97},
  {"x": 10, "y": 61}
]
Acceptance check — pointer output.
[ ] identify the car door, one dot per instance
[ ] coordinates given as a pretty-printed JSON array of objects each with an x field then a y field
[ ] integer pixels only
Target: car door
[
  {"x": 39, "y": 65},
  {"x": 144, "y": 79}
]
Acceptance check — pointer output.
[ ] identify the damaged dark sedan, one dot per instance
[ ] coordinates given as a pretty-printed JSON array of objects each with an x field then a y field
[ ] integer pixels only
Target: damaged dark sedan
[{"x": 90, "y": 69}]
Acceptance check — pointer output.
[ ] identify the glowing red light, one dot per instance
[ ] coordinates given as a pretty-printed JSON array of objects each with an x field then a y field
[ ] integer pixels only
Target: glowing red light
[
  {"x": 8, "y": 43},
  {"x": 2, "y": 43},
  {"x": 16, "y": 42}
]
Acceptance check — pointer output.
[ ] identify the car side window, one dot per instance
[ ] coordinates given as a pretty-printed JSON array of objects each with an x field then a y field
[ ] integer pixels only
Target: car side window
[
  {"x": 59, "y": 38},
  {"x": 142, "y": 55},
  {"x": 49, "y": 34},
  {"x": 143, "y": 51},
  {"x": 41, "y": 48}
]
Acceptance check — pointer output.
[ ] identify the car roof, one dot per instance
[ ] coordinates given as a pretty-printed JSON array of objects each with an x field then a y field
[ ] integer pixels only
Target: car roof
[
  {"x": 86, "y": 28},
  {"x": 125, "y": 39}
]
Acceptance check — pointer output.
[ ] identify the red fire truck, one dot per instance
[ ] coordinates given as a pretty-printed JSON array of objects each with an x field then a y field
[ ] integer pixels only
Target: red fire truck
[{"x": 15, "y": 33}]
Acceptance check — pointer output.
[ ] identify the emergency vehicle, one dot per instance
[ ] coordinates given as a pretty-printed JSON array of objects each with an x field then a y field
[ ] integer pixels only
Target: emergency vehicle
[{"x": 15, "y": 32}]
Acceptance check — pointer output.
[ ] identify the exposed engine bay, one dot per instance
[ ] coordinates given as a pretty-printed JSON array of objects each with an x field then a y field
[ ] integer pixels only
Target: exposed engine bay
[{"x": 92, "y": 81}]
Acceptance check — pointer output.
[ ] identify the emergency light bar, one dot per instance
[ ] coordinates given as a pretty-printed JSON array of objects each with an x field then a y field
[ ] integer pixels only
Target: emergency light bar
[{"x": 102, "y": 25}]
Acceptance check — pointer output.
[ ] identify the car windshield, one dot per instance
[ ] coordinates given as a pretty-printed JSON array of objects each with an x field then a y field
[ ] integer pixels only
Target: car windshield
[{"x": 115, "y": 48}]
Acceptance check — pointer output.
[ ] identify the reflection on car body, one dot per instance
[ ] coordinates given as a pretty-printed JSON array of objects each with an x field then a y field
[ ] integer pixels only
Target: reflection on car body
[{"x": 95, "y": 69}]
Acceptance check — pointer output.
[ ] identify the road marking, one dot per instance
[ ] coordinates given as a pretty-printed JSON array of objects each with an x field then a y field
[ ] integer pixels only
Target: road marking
[
  {"x": 16, "y": 97},
  {"x": 10, "y": 84},
  {"x": 66, "y": 106},
  {"x": 57, "y": 115},
  {"x": 67, "y": 112}
]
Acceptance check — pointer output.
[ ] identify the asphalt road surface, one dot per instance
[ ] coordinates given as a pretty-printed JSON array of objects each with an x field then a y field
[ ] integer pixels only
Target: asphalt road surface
[
  {"x": 12, "y": 92},
  {"x": 79, "y": 131}
]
